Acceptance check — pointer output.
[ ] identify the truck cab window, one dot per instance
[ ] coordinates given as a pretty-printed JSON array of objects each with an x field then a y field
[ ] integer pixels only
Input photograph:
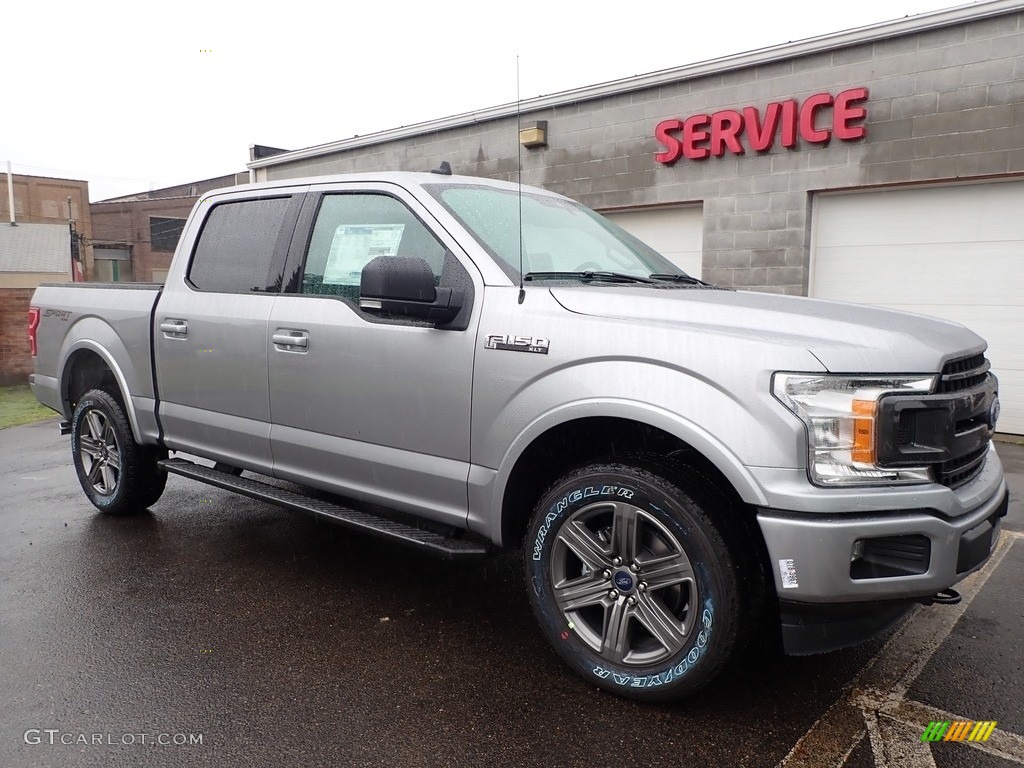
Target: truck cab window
[
  {"x": 351, "y": 230},
  {"x": 236, "y": 246}
]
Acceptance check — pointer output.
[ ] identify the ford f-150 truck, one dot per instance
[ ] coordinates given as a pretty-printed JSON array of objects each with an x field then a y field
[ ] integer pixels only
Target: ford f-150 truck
[{"x": 464, "y": 365}]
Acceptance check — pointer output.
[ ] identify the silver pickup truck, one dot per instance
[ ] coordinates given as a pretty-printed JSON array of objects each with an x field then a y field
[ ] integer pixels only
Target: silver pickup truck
[{"x": 464, "y": 365}]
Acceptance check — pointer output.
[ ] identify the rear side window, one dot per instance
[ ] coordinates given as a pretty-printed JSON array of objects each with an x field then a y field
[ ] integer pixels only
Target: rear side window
[{"x": 237, "y": 244}]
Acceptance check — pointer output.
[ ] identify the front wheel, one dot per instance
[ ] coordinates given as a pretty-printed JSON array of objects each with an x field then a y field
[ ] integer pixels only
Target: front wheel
[
  {"x": 632, "y": 582},
  {"x": 117, "y": 474}
]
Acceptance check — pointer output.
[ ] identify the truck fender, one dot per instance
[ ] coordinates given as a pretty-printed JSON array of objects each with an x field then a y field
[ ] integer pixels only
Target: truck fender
[
  {"x": 673, "y": 423},
  {"x": 83, "y": 335}
]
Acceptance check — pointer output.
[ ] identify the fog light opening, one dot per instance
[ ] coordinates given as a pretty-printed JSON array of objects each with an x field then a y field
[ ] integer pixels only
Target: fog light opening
[
  {"x": 858, "y": 550},
  {"x": 886, "y": 557}
]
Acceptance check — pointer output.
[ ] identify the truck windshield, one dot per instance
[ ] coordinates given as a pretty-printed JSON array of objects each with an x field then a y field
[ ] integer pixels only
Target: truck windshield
[{"x": 561, "y": 239}]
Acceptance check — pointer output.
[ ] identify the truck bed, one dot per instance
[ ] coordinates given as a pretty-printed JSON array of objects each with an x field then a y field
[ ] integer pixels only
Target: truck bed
[{"x": 112, "y": 321}]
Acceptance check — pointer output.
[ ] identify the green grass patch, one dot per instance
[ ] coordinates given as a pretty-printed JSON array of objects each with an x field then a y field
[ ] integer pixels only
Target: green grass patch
[{"x": 19, "y": 406}]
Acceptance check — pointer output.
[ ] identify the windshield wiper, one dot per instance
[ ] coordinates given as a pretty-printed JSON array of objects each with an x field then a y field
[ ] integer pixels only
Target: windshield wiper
[
  {"x": 609, "y": 277},
  {"x": 688, "y": 279}
]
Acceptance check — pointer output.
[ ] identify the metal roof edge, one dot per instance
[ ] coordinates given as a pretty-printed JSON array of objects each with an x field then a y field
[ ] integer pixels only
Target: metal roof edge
[
  {"x": 22, "y": 272},
  {"x": 129, "y": 200},
  {"x": 133, "y": 196},
  {"x": 880, "y": 31}
]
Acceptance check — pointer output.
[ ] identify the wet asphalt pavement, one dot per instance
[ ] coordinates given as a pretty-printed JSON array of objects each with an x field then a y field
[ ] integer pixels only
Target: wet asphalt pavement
[{"x": 281, "y": 640}]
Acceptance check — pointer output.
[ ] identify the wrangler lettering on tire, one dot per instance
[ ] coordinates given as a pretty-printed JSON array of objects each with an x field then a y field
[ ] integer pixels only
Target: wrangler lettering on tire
[{"x": 632, "y": 581}]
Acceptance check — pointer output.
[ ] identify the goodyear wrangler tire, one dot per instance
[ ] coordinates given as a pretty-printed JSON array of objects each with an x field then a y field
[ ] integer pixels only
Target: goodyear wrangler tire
[
  {"x": 632, "y": 582},
  {"x": 118, "y": 475}
]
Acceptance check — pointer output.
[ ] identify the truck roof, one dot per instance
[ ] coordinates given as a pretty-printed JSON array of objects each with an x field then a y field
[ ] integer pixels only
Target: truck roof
[{"x": 401, "y": 178}]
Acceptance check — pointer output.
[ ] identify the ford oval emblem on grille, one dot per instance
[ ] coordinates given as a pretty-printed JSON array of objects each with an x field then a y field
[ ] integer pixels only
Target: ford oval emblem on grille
[{"x": 993, "y": 412}]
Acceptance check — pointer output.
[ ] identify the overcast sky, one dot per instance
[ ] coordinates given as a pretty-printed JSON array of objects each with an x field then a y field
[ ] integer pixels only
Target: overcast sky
[{"x": 138, "y": 95}]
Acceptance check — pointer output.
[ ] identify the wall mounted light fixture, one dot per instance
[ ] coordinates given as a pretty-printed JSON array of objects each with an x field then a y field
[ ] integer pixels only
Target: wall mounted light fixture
[{"x": 534, "y": 134}]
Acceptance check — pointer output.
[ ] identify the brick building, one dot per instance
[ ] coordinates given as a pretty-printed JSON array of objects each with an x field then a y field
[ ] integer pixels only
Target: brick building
[
  {"x": 882, "y": 165},
  {"x": 134, "y": 236},
  {"x": 36, "y": 249}
]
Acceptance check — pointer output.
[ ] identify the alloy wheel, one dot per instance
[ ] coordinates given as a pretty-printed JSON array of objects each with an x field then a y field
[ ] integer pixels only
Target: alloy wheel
[
  {"x": 624, "y": 584},
  {"x": 100, "y": 454}
]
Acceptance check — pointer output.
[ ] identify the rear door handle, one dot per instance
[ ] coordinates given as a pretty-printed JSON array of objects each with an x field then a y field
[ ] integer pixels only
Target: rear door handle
[
  {"x": 177, "y": 329},
  {"x": 290, "y": 340}
]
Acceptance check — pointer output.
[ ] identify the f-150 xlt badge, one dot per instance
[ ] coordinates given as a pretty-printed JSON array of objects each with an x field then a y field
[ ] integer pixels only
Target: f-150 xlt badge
[{"x": 517, "y": 343}]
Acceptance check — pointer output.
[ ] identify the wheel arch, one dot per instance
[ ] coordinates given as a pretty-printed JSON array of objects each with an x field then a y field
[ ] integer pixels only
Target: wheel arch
[
  {"x": 560, "y": 440},
  {"x": 88, "y": 365}
]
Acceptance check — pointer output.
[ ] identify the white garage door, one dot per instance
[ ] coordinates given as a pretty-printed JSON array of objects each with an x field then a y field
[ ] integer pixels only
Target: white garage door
[
  {"x": 955, "y": 252},
  {"x": 675, "y": 233}
]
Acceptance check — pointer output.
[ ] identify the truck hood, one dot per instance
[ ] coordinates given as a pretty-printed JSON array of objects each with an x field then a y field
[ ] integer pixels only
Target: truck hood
[{"x": 848, "y": 338}]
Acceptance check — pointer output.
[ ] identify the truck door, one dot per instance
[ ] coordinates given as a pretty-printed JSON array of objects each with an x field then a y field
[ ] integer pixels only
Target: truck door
[
  {"x": 374, "y": 408},
  {"x": 210, "y": 330}
]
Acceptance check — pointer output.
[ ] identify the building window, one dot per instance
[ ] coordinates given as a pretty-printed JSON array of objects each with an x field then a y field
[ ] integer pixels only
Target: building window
[
  {"x": 113, "y": 271},
  {"x": 112, "y": 263},
  {"x": 164, "y": 233}
]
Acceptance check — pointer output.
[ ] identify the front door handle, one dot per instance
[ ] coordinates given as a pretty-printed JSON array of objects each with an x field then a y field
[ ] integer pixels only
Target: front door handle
[
  {"x": 290, "y": 340},
  {"x": 177, "y": 329}
]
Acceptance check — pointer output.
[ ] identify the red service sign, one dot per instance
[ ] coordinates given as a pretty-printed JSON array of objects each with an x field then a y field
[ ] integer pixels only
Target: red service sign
[{"x": 701, "y": 136}]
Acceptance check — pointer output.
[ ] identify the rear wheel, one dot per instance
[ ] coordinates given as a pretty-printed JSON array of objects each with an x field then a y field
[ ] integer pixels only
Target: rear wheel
[
  {"x": 117, "y": 474},
  {"x": 632, "y": 581}
]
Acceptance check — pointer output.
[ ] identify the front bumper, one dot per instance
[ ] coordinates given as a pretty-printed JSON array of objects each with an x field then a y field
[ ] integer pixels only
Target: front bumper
[{"x": 813, "y": 555}]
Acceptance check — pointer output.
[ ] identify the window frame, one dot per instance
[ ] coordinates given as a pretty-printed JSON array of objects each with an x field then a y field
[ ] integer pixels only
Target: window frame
[
  {"x": 361, "y": 193},
  {"x": 181, "y": 233},
  {"x": 274, "y": 277},
  {"x": 298, "y": 253}
]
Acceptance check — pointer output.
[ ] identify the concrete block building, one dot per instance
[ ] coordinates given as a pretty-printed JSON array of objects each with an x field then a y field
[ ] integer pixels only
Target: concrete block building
[{"x": 882, "y": 165}]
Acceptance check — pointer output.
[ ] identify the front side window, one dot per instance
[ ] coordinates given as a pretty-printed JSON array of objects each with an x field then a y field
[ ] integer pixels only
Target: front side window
[
  {"x": 555, "y": 235},
  {"x": 237, "y": 244},
  {"x": 353, "y": 229}
]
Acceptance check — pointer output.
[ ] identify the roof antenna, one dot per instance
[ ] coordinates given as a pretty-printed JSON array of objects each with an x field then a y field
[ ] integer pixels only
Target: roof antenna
[
  {"x": 519, "y": 174},
  {"x": 445, "y": 169}
]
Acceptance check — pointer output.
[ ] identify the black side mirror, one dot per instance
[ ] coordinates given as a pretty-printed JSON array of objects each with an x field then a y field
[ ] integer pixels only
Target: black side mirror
[{"x": 405, "y": 286}]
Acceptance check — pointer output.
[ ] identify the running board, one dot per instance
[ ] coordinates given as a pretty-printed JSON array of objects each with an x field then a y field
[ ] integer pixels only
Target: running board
[{"x": 428, "y": 541}]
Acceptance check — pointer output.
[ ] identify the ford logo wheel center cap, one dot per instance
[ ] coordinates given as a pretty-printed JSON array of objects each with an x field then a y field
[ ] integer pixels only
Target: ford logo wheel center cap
[{"x": 624, "y": 581}]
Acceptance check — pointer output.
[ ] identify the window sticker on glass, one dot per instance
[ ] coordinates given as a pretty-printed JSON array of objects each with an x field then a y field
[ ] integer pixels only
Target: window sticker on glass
[{"x": 355, "y": 245}]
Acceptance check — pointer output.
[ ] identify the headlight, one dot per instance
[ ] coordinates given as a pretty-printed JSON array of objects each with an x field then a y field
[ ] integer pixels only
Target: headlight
[{"x": 841, "y": 416}]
